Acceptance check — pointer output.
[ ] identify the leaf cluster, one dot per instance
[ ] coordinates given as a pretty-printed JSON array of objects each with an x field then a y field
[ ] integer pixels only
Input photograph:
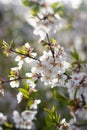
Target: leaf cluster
[{"x": 53, "y": 119}]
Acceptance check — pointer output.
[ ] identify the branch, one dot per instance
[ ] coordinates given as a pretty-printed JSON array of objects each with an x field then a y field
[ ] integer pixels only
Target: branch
[
  {"x": 49, "y": 44},
  {"x": 24, "y": 55}
]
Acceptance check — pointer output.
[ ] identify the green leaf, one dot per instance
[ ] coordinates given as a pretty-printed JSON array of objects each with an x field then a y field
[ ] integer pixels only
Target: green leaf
[
  {"x": 62, "y": 98},
  {"x": 85, "y": 106},
  {"x": 11, "y": 44},
  {"x": 5, "y": 44},
  {"x": 35, "y": 9},
  {"x": 30, "y": 102},
  {"x": 75, "y": 93},
  {"x": 58, "y": 8},
  {"x": 83, "y": 61},
  {"x": 6, "y": 124},
  {"x": 28, "y": 3},
  {"x": 59, "y": 119},
  {"x": 59, "y": 96},
  {"x": 25, "y": 92},
  {"x": 74, "y": 54},
  {"x": 53, "y": 119},
  {"x": 55, "y": 5}
]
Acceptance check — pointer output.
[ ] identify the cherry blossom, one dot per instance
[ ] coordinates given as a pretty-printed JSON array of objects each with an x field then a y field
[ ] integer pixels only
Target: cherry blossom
[
  {"x": 24, "y": 120},
  {"x": 78, "y": 83},
  {"x": 45, "y": 21},
  {"x": 14, "y": 77},
  {"x": 64, "y": 125},
  {"x": 32, "y": 78},
  {"x": 19, "y": 97},
  {"x": 3, "y": 118},
  {"x": 51, "y": 66},
  {"x": 27, "y": 56},
  {"x": 34, "y": 105}
]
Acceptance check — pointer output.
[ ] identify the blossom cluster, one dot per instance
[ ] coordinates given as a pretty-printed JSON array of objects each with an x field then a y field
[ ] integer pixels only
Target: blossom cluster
[
  {"x": 78, "y": 84},
  {"x": 24, "y": 120},
  {"x": 47, "y": 19},
  {"x": 49, "y": 68}
]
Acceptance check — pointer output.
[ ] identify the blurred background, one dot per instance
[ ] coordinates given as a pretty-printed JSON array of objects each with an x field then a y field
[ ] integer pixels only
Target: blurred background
[{"x": 15, "y": 26}]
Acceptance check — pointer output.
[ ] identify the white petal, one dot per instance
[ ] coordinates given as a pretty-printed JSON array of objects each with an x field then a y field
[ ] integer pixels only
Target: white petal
[
  {"x": 18, "y": 58},
  {"x": 27, "y": 45}
]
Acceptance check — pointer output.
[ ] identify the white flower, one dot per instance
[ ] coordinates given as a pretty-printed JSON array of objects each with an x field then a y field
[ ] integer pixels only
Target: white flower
[
  {"x": 2, "y": 118},
  {"x": 78, "y": 84},
  {"x": 24, "y": 120},
  {"x": 31, "y": 79},
  {"x": 59, "y": 81},
  {"x": 41, "y": 31},
  {"x": 2, "y": 91},
  {"x": 64, "y": 125},
  {"x": 34, "y": 105},
  {"x": 27, "y": 45},
  {"x": 18, "y": 120},
  {"x": 81, "y": 115},
  {"x": 47, "y": 20},
  {"x": 28, "y": 114},
  {"x": 14, "y": 82},
  {"x": 27, "y": 56},
  {"x": 52, "y": 67},
  {"x": 19, "y": 97},
  {"x": 28, "y": 124},
  {"x": 28, "y": 60},
  {"x": 16, "y": 70},
  {"x": 14, "y": 77},
  {"x": 16, "y": 116},
  {"x": 20, "y": 61}
]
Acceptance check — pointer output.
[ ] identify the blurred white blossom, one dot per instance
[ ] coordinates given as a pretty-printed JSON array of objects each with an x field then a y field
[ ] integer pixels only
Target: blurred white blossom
[
  {"x": 19, "y": 97},
  {"x": 3, "y": 118}
]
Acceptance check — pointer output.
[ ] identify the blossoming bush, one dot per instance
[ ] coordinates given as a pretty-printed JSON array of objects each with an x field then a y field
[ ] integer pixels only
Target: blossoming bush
[{"x": 66, "y": 79}]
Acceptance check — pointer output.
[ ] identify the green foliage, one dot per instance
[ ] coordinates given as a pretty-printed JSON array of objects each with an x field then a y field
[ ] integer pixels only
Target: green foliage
[
  {"x": 7, "y": 47},
  {"x": 33, "y": 5},
  {"x": 24, "y": 92},
  {"x": 53, "y": 119},
  {"x": 22, "y": 50},
  {"x": 75, "y": 55},
  {"x": 62, "y": 98},
  {"x": 7, "y": 125},
  {"x": 58, "y": 8},
  {"x": 27, "y": 3}
]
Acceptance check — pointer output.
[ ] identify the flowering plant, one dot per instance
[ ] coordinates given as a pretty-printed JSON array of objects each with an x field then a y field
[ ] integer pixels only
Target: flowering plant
[{"x": 66, "y": 79}]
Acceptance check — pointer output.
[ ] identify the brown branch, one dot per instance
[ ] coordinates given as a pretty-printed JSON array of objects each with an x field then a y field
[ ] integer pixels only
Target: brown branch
[
  {"x": 8, "y": 81},
  {"x": 26, "y": 55},
  {"x": 49, "y": 44}
]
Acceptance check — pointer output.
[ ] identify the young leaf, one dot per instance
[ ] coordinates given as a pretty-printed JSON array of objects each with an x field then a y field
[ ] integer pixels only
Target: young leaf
[
  {"x": 25, "y": 92},
  {"x": 27, "y": 3},
  {"x": 75, "y": 55}
]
